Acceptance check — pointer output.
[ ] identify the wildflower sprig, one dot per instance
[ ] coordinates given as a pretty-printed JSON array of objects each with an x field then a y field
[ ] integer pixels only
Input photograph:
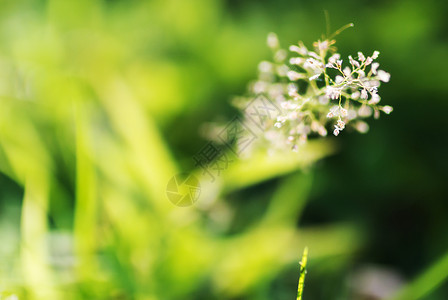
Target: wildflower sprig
[{"x": 317, "y": 90}]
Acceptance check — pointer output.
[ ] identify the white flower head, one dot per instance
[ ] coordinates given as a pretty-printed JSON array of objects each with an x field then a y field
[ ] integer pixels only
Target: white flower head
[{"x": 345, "y": 95}]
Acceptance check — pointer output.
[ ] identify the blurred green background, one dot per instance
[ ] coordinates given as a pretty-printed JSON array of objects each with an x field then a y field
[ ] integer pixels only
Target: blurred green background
[{"x": 102, "y": 102}]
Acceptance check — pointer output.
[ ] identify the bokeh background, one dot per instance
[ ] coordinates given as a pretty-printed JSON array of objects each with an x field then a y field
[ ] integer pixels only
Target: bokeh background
[{"x": 102, "y": 102}]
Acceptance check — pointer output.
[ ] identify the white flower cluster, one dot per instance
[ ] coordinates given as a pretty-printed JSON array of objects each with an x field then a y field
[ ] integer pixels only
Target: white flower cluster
[{"x": 316, "y": 90}]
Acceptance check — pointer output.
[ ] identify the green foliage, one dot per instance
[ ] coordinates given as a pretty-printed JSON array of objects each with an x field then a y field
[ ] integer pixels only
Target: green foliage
[{"x": 102, "y": 102}]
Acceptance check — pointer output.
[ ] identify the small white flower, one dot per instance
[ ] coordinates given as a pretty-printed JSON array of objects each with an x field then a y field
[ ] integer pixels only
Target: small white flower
[
  {"x": 351, "y": 114},
  {"x": 322, "y": 131},
  {"x": 368, "y": 61},
  {"x": 294, "y": 48},
  {"x": 375, "y": 99},
  {"x": 371, "y": 84},
  {"x": 361, "y": 73},
  {"x": 290, "y": 139},
  {"x": 315, "y": 125},
  {"x": 383, "y": 76},
  {"x": 341, "y": 124},
  {"x": 293, "y": 75},
  {"x": 353, "y": 62},
  {"x": 314, "y": 77},
  {"x": 323, "y": 100},
  {"x": 334, "y": 61},
  {"x": 313, "y": 63},
  {"x": 365, "y": 111},
  {"x": 323, "y": 45},
  {"x": 375, "y": 54},
  {"x": 303, "y": 138},
  {"x": 314, "y": 55},
  {"x": 272, "y": 40},
  {"x": 361, "y": 126},
  {"x": 336, "y": 130},
  {"x": 356, "y": 95},
  {"x": 259, "y": 87},
  {"x": 387, "y": 109},
  {"x": 281, "y": 119},
  {"x": 265, "y": 67},
  {"x": 364, "y": 94},
  {"x": 376, "y": 114},
  {"x": 330, "y": 115},
  {"x": 334, "y": 58},
  {"x": 343, "y": 112},
  {"x": 335, "y": 110},
  {"x": 296, "y": 60},
  {"x": 361, "y": 56},
  {"x": 278, "y": 124},
  {"x": 347, "y": 72},
  {"x": 292, "y": 89},
  {"x": 333, "y": 93},
  {"x": 339, "y": 79},
  {"x": 375, "y": 66},
  {"x": 280, "y": 55}
]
